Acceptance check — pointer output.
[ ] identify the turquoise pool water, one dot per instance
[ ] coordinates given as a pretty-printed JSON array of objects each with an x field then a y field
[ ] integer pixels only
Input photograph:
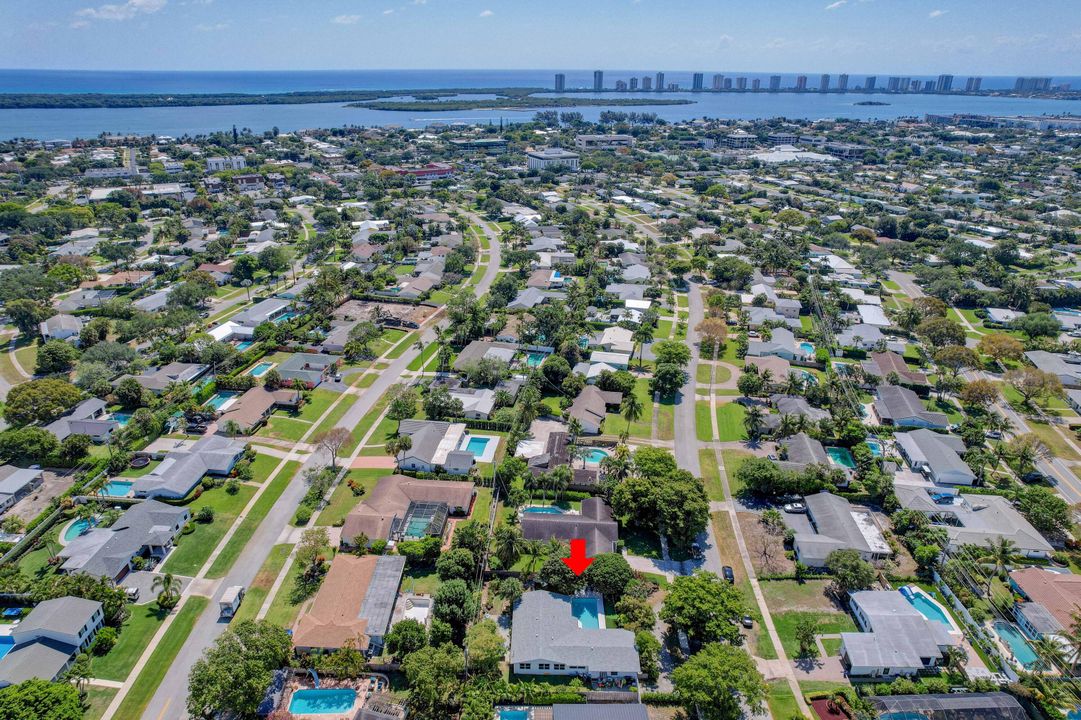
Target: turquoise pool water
[
  {"x": 1017, "y": 643},
  {"x": 595, "y": 455},
  {"x": 417, "y": 527},
  {"x": 285, "y": 316},
  {"x": 122, "y": 418},
  {"x": 841, "y": 456},
  {"x": 543, "y": 510},
  {"x": 260, "y": 369},
  {"x": 322, "y": 701},
  {"x": 807, "y": 348},
  {"x": 6, "y": 643},
  {"x": 476, "y": 445},
  {"x": 808, "y": 377},
  {"x": 513, "y": 715},
  {"x": 534, "y": 359},
  {"x": 76, "y": 529},
  {"x": 585, "y": 610},
  {"x": 875, "y": 446},
  {"x": 242, "y": 346},
  {"x": 220, "y": 400},
  {"x": 117, "y": 488},
  {"x": 928, "y": 609}
]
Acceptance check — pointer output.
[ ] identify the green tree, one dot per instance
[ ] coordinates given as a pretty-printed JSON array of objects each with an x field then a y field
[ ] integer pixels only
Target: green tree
[
  {"x": 56, "y": 356},
  {"x": 167, "y": 587},
  {"x": 405, "y": 637},
  {"x": 649, "y": 654},
  {"x": 673, "y": 352},
  {"x": 455, "y": 604},
  {"x": 631, "y": 409},
  {"x": 40, "y": 700},
  {"x": 705, "y": 607},
  {"x": 508, "y": 545},
  {"x": 717, "y": 681},
  {"x": 609, "y": 574},
  {"x": 40, "y": 401},
  {"x": 434, "y": 675},
  {"x": 456, "y": 564},
  {"x": 806, "y": 630},
  {"x": 232, "y": 676},
  {"x": 667, "y": 379},
  {"x": 485, "y": 647},
  {"x": 27, "y": 315},
  {"x": 850, "y": 571}
]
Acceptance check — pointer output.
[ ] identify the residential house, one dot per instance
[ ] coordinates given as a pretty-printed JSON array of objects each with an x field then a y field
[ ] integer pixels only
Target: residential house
[
  {"x": 485, "y": 350},
  {"x": 1066, "y": 367},
  {"x": 1051, "y": 600},
  {"x": 594, "y": 524},
  {"x": 181, "y": 470},
  {"x": 85, "y": 300},
  {"x": 147, "y": 529},
  {"x": 793, "y": 405},
  {"x": 757, "y": 317},
  {"x": 935, "y": 455},
  {"x": 557, "y": 452},
  {"x": 590, "y": 407},
  {"x": 435, "y": 447},
  {"x": 17, "y": 483},
  {"x": 44, "y": 644},
  {"x": 974, "y": 519},
  {"x": 951, "y": 706},
  {"x": 159, "y": 379},
  {"x": 405, "y": 508},
  {"x": 782, "y": 344},
  {"x": 477, "y": 403},
  {"x": 263, "y": 311},
  {"x": 61, "y": 327},
  {"x": 87, "y": 418},
  {"x": 800, "y": 451},
  {"x": 614, "y": 339},
  {"x": 883, "y": 365},
  {"x": 873, "y": 315},
  {"x": 901, "y": 407},
  {"x": 353, "y": 605},
  {"x": 252, "y": 409},
  {"x": 833, "y": 523},
  {"x": 860, "y": 336},
  {"x": 530, "y": 298},
  {"x": 897, "y": 639},
  {"x": 154, "y": 302},
  {"x": 625, "y": 711},
  {"x": 548, "y": 639},
  {"x": 309, "y": 368}
]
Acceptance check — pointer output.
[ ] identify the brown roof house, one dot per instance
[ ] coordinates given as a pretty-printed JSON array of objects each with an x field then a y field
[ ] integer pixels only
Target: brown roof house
[
  {"x": 253, "y": 408},
  {"x": 354, "y": 604},
  {"x": 590, "y": 406},
  {"x": 594, "y": 523},
  {"x": 1051, "y": 600},
  {"x": 405, "y": 508},
  {"x": 883, "y": 363}
]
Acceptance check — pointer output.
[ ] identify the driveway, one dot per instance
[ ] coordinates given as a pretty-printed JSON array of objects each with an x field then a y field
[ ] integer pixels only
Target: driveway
[{"x": 144, "y": 582}]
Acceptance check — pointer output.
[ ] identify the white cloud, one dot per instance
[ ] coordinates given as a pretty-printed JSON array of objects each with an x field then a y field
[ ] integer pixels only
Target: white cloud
[
  {"x": 486, "y": 13},
  {"x": 937, "y": 13},
  {"x": 216, "y": 27},
  {"x": 346, "y": 20},
  {"x": 124, "y": 11},
  {"x": 79, "y": 24},
  {"x": 835, "y": 5},
  {"x": 388, "y": 11}
]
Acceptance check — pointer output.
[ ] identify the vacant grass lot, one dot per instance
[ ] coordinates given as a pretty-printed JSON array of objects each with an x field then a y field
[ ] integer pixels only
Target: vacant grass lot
[
  {"x": 730, "y": 422},
  {"x": 193, "y": 550},
  {"x": 641, "y": 428},
  {"x": 143, "y": 621},
  {"x": 97, "y": 701},
  {"x": 828, "y": 623},
  {"x": 666, "y": 419},
  {"x": 342, "y": 500}
]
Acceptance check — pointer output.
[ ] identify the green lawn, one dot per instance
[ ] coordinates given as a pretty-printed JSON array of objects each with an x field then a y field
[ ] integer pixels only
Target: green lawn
[
  {"x": 703, "y": 374},
  {"x": 732, "y": 460},
  {"x": 262, "y": 466},
  {"x": 143, "y": 621},
  {"x": 703, "y": 425},
  {"x": 405, "y": 344},
  {"x": 721, "y": 374},
  {"x": 420, "y": 581},
  {"x": 342, "y": 500},
  {"x": 161, "y": 660},
  {"x": 730, "y": 422},
  {"x": 283, "y": 427},
  {"x": 264, "y": 580},
  {"x": 194, "y": 549},
  {"x": 782, "y": 703},
  {"x": 97, "y": 701},
  {"x": 711, "y": 474},
  {"x": 953, "y": 413},
  {"x": 1053, "y": 441},
  {"x": 317, "y": 404},
  {"x": 252, "y": 520},
  {"x": 817, "y": 686},
  {"x": 139, "y": 472},
  {"x": 832, "y": 645},
  {"x": 430, "y": 350},
  {"x": 641, "y": 428},
  {"x": 666, "y": 418},
  {"x": 828, "y": 623},
  {"x": 35, "y": 564},
  {"x": 663, "y": 329}
]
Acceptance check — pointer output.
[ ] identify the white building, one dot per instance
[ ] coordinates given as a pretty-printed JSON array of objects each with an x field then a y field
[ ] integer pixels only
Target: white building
[
  {"x": 218, "y": 164},
  {"x": 552, "y": 158}
]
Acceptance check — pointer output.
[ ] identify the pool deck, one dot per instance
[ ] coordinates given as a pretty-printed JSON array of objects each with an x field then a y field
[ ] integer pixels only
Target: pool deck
[{"x": 361, "y": 685}]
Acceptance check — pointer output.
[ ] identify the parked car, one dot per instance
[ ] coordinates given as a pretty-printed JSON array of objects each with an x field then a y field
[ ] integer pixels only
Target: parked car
[
  {"x": 730, "y": 576},
  {"x": 794, "y": 507},
  {"x": 993, "y": 435},
  {"x": 748, "y": 622}
]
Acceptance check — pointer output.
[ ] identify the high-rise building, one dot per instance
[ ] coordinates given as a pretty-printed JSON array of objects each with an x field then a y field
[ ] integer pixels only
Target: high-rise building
[
  {"x": 973, "y": 84},
  {"x": 697, "y": 80},
  {"x": 728, "y": 83},
  {"x": 824, "y": 83},
  {"x": 647, "y": 82},
  {"x": 801, "y": 82},
  {"x": 660, "y": 81},
  {"x": 1032, "y": 84},
  {"x": 718, "y": 82},
  {"x": 672, "y": 86},
  {"x": 842, "y": 82},
  {"x": 561, "y": 82},
  {"x": 756, "y": 84},
  {"x": 870, "y": 82},
  {"x": 634, "y": 83},
  {"x": 894, "y": 84},
  {"x": 944, "y": 84},
  {"x": 621, "y": 84},
  {"x": 598, "y": 80},
  {"x": 928, "y": 86},
  {"x": 741, "y": 83},
  {"x": 774, "y": 83}
]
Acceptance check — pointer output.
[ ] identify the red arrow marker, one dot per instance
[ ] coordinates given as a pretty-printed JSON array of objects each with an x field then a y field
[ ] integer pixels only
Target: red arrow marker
[{"x": 578, "y": 562}]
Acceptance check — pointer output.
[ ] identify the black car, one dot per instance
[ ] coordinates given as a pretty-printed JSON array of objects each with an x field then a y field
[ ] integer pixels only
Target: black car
[
  {"x": 730, "y": 576},
  {"x": 748, "y": 622}
]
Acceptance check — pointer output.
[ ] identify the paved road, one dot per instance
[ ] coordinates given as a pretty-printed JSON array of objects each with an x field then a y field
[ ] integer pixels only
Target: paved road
[
  {"x": 168, "y": 702},
  {"x": 907, "y": 281},
  {"x": 686, "y": 437}
]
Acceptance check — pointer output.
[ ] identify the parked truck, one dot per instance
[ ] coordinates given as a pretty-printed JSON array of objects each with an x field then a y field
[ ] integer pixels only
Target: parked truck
[{"x": 230, "y": 601}]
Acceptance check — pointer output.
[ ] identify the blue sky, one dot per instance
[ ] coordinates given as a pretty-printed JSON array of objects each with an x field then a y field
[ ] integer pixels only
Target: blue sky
[{"x": 989, "y": 37}]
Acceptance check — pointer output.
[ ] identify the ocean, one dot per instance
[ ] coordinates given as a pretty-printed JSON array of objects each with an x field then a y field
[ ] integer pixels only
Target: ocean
[{"x": 177, "y": 122}]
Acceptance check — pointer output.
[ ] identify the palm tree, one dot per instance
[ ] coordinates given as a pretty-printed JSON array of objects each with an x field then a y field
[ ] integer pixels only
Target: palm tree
[
  {"x": 167, "y": 587},
  {"x": 753, "y": 420},
  {"x": 642, "y": 335},
  {"x": 396, "y": 445},
  {"x": 574, "y": 429},
  {"x": 534, "y": 549},
  {"x": 1000, "y": 550},
  {"x": 786, "y": 428},
  {"x": 231, "y": 427},
  {"x": 1052, "y": 656},
  {"x": 509, "y": 545},
  {"x": 631, "y": 409},
  {"x": 955, "y": 659}
]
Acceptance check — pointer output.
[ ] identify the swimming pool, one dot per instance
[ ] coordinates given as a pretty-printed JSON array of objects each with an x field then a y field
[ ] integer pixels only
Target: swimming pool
[
  {"x": 477, "y": 445},
  {"x": 595, "y": 455},
  {"x": 927, "y": 607},
  {"x": 122, "y": 418},
  {"x": 322, "y": 701},
  {"x": 807, "y": 348},
  {"x": 875, "y": 446},
  {"x": 1017, "y": 643},
  {"x": 841, "y": 456},
  {"x": 543, "y": 510},
  {"x": 513, "y": 714},
  {"x": 285, "y": 316},
  {"x": 117, "y": 488},
  {"x": 260, "y": 369},
  {"x": 242, "y": 346},
  {"x": 222, "y": 400},
  {"x": 76, "y": 529},
  {"x": 6, "y": 643},
  {"x": 535, "y": 359},
  {"x": 587, "y": 611}
]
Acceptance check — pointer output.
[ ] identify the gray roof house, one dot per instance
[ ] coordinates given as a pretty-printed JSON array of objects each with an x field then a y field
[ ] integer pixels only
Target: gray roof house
[
  {"x": 1066, "y": 367},
  {"x": 974, "y": 519},
  {"x": 606, "y": 711},
  {"x": 594, "y": 523},
  {"x": 87, "y": 418},
  {"x": 529, "y": 298},
  {"x": 84, "y": 299},
  {"x": 801, "y": 450},
  {"x": 435, "y": 445},
  {"x": 157, "y": 380},
  {"x": 181, "y": 470},
  {"x": 833, "y": 523},
  {"x": 261, "y": 312},
  {"x": 146, "y": 529},
  {"x": 782, "y": 343},
  {"x": 154, "y": 301},
  {"x": 936, "y": 456},
  {"x": 860, "y": 336},
  {"x": 16, "y": 483},
  {"x": 61, "y": 327},
  {"x": 547, "y": 639},
  {"x": 310, "y": 368},
  {"x": 590, "y": 407},
  {"x": 47, "y": 639},
  {"x": 897, "y": 639},
  {"x": 899, "y": 406}
]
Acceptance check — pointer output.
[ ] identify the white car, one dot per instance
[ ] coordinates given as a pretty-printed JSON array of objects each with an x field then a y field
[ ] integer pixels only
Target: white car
[{"x": 796, "y": 507}]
